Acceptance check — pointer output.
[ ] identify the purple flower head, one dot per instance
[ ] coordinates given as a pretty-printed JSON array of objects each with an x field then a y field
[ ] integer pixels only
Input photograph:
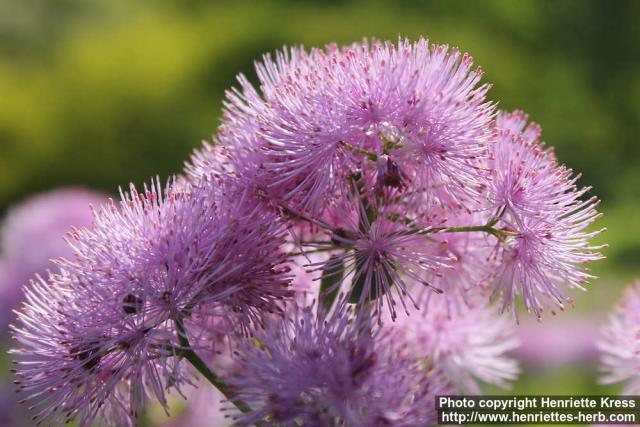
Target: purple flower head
[
  {"x": 32, "y": 234},
  {"x": 546, "y": 255},
  {"x": 324, "y": 113},
  {"x": 467, "y": 346},
  {"x": 188, "y": 247},
  {"x": 338, "y": 370},
  {"x": 538, "y": 202},
  {"x": 620, "y": 343},
  {"x": 380, "y": 253},
  {"x": 380, "y": 176},
  {"x": 78, "y": 362},
  {"x": 528, "y": 181},
  {"x": 114, "y": 310}
]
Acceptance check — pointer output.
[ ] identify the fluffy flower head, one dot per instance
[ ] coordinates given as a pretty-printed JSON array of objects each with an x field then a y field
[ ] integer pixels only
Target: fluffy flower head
[
  {"x": 620, "y": 343},
  {"x": 338, "y": 370},
  {"x": 103, "y": 332},
  {"x": 322, "y": 114},
  {"x": 467, "y": 346},
  {"x": 538, "y": 201}
]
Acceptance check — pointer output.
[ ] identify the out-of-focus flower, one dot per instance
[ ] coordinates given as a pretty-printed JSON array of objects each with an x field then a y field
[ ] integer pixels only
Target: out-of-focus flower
[
  {"x": 620, "y": 343},
  {"x": 32, "y": 235},
  {"x": 557, "y": 342},
  {"x": 337, "y": 371},
  {"x": 204, "y": 408},
  {"x": 467, "y": 346}
]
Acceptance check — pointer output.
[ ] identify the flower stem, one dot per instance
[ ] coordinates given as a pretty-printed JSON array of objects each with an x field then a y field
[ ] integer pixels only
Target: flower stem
[
  {"x": 370, "y": 154},
  {"x": 497, "y": 232},
  {"x": 298, "y": 215},
  {"x": 187, "y": 352},
  {"x": 468, "y": 228},
  {"x": 312, "y": 251},
  {"x": 202, "y": 367}
]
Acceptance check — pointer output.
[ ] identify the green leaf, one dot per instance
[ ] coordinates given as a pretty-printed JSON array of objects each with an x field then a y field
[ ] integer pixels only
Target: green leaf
[
  {"x": 357, "y": 286},
  {"x": 332, "y": 275},
  {"x": 366, "y": 210}
]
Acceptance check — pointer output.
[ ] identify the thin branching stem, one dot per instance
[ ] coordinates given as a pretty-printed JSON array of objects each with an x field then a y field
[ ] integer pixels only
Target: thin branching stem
[
  {"x": 312, "y": 251},
  {"x": 187, "y": 353},
  {"x": 499, "y": 233}
]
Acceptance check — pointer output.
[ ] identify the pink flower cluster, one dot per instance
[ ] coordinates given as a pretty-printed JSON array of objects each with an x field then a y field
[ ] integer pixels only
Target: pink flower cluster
[
  {"x": 32, "y": 233},
  {"x": 619, "y": 343},
  {"x": 348, "y": 227}
]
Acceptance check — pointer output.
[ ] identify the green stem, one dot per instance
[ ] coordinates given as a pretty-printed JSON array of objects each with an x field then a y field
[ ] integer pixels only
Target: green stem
[
  {"x": 485, "y": 228},
  {"x": 314, "y": 242},
  {"x": 298, "y": 215},
  {"x": 370, "y": 154},
  {"x": 389, "y": 144},
  {"x": 187, "y": 352},
  {"x": 494, "y": 219},
  {"x": 497, "y": 232},
  {"x": 312, "y": 251}
]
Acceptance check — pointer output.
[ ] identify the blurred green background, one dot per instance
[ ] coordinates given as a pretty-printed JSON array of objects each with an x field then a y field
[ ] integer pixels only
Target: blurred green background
[{"x": 103, "y": 92}]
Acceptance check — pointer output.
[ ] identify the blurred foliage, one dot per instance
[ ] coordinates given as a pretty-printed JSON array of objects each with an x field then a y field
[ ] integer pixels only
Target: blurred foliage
[{"x": 103, "y": 92}]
